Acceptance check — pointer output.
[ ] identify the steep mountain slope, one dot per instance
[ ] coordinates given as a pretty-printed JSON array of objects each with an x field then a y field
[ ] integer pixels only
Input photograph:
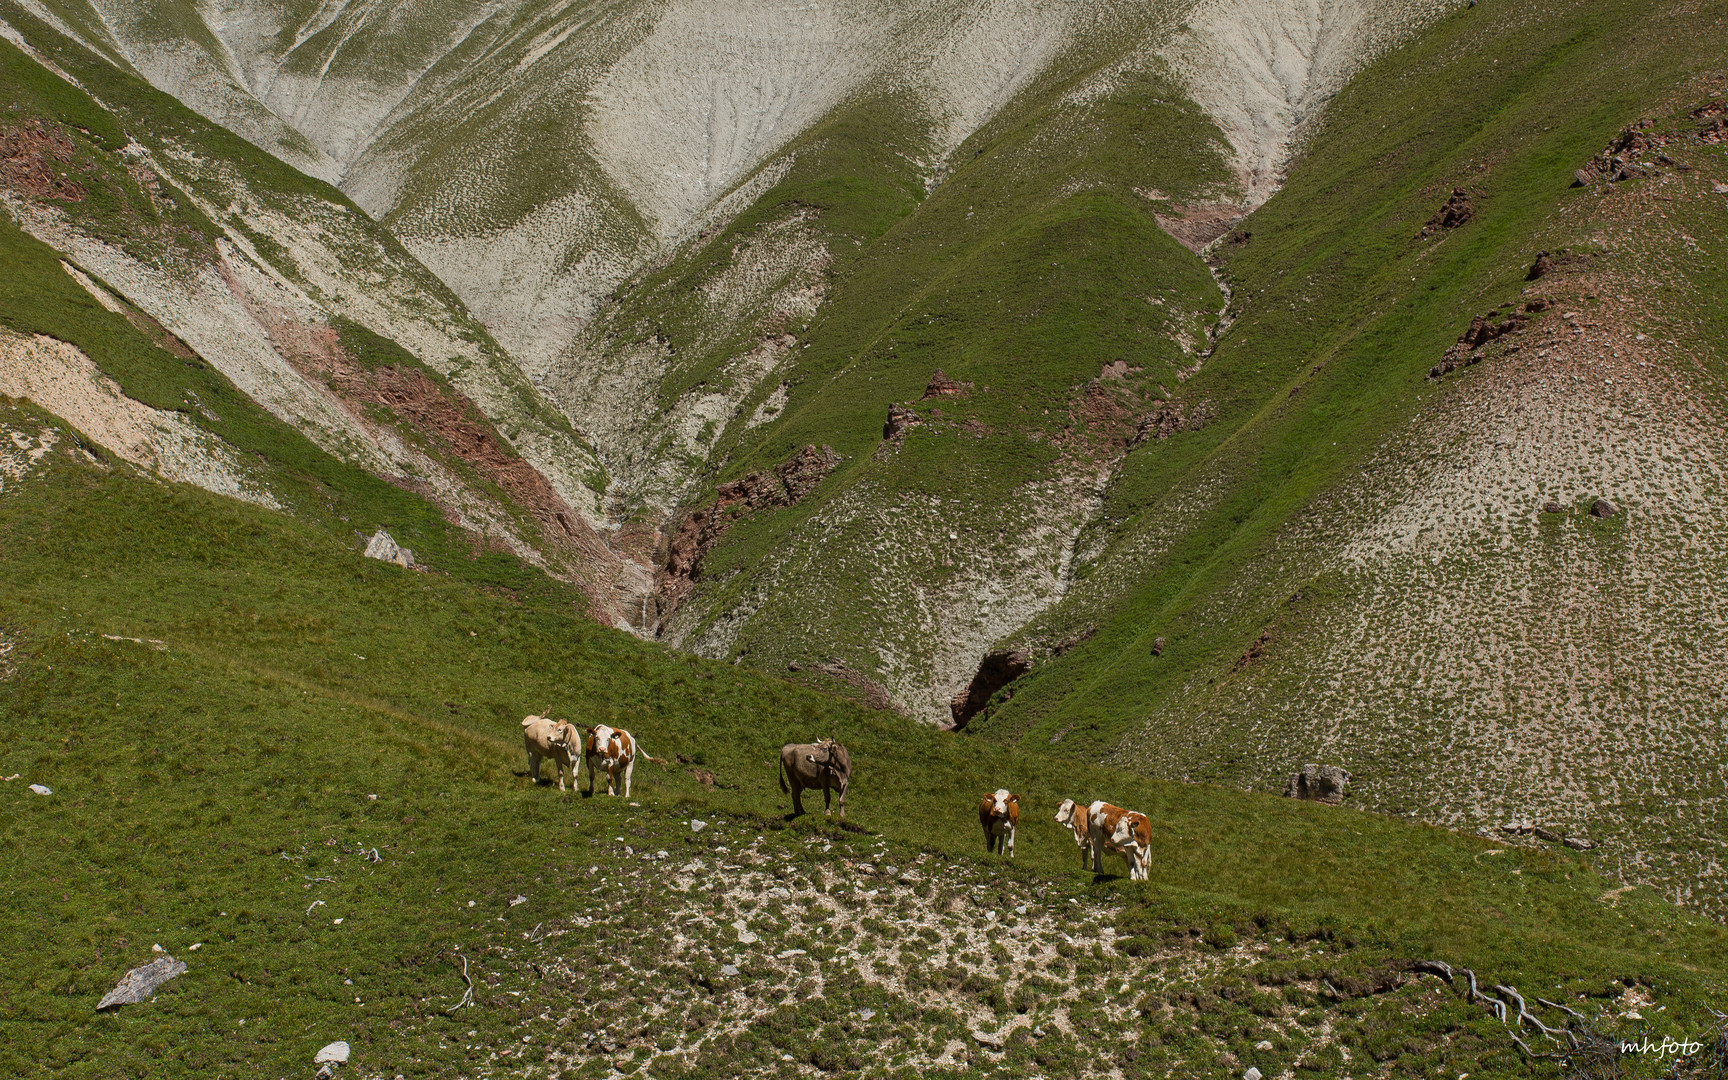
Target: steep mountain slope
[
  {"x": 298, "y": 300},
  {"x": 1383, "y": 552},
  {"x": 577, "y": 175}
]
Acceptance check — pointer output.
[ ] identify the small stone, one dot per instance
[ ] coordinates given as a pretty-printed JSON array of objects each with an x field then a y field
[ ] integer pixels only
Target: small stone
[
  {"x": 336, "y": 1052},
  {"x": 518, "y": 900},
  {"x": 698, "y": 826},
  {"x": 1251, "y": 1074},
  {"x": 1578, "y": 843},
  {"x": 987, "y": 1039},
  {"x": 1720, "y": 189},
  {"x": 865, "y": 1014},
  {"x": 157, "y": 949},
  {"x": 1602, "y": 508},
  {"x": 1581, "y": 178},
  {"x": 1263, "y": 1044},
  {"x": 1158, "y": 646},
  {"x": 728, "y": 970},
  {"x": 40, "y": 790},
  {"x": 789, "y": 953},
  {"x": 621, "y": 1064},
  {"x": 1546, "y": 834},
  {"x": 1552, "y": 507},
  {"x": 1021, "y": 910}
]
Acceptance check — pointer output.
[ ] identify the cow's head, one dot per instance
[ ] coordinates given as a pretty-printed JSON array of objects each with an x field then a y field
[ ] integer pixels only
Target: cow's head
[
  {"x": 998, "y": 801},
  {"x": 824, "y": 754},
  {"x": 1126, "y": 828},
  {"x": 1065, "y": 812}
]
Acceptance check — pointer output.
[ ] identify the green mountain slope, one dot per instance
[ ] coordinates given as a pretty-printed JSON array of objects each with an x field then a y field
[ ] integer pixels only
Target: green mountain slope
[
  {"x": 298, "y": 771},
  {"x": 1354, "y": 562}
]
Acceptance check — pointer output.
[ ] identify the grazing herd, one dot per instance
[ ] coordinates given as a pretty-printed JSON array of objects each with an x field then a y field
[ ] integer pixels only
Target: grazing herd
[{"x": 826, "y": 766}]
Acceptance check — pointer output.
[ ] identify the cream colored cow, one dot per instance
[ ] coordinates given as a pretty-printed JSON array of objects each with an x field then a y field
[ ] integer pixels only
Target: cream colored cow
[{"x": 555, "y": 740}]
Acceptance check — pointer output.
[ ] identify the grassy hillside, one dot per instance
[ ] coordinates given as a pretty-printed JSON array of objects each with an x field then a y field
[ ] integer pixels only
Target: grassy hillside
[
  {"x": 1353, "y": 562},
  {"x": 210, "y": 776}
]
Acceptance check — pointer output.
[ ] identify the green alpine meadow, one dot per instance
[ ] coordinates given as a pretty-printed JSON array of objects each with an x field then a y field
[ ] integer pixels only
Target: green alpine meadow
[{"x": 1026, "y": 539}]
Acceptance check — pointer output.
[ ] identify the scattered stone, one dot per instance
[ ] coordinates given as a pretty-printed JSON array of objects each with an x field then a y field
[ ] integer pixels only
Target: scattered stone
[
  {"x": 1578, "y": 843},
  {"x": 943, "y": 386},
  {"x": 1457, "y": 211},
  {"x": 789, "y": 954},
  {"x": 157, "y": 949},
  {"x": 1518, "y": 828},
  {"x": 518, "y": 900},
  {"x": 1720, "y": 189},
  {"x": 988, "y": 1040},
  {"x": 1552, "y": 507},
  {"x": 697, "y": 826},
  {"x": 1602, "y": 508},
  {"x": 1546, "y": 834},
  {"x": 336, "y": 1052},
  {"x": 383, "y": 547},
  {"x": 1263, "y": 1044},
  {"x": 40, "y": 790},
  {"x": 325, "y": 1072},
  {"x": 1318, "y": 783},
  {"x": 141, "y": 982},
  {"x": 1158, "y": 646},
  {"x": 1253, "y": 1073},
  {"x": 728, "y": 970},
  {"x": 1544, "y": 264},
  {"x": 865, "y": 1014},
  {"x": 899, "y": 419}
]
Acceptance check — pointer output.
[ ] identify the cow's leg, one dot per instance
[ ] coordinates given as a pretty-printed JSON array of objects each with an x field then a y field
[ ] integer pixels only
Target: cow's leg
[
  {"x": 1010, "y": 841},
  {"x": 797, "y": 798},
  {"x": 1097, "y": 854},
  {"x": 629, "y": 767},
  {"x": 827, "y": 800},
  {"x": 593, "y": 771},
  {"x": 533, "y": 766}
]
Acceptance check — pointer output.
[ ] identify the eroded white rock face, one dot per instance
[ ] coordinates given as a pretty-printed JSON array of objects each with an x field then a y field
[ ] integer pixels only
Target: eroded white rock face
[
  {"x": 535, "y": 153},
  {"x": 1264, "y": 68},
  {"x": 60, "y": 378}
]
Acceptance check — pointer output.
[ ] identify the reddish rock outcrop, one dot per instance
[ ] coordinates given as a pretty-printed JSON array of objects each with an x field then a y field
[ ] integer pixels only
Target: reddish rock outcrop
[
  {"x": 996, "y": 670},
  {"x": 943, "y": 386},
  {"x": 1457, "y": 211},
  {"x": 32, "y": 160},
  {"x": 788, "y": 483}
]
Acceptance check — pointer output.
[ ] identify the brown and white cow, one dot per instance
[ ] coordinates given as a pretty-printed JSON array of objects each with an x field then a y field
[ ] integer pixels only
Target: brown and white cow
[
  {"x": 1073, "y": 815},
  {"x": 555, "y": 740},
  {"x": 999, "y": 813},
  {"x": 1104, "y": 823},
  {"x": 614, "y": 750},
  {"x": 1132, "y": 836}
]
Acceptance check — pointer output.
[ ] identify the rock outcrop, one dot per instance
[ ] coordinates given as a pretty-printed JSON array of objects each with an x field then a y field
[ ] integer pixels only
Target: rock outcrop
[
  {"x": 1318, "y": 783},
  {"x": 788, "y": 483}
]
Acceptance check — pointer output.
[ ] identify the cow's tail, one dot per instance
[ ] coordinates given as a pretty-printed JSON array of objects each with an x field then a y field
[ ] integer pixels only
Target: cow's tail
[
  {"x": 641, "y": 750},
  {"x": 783, "y": 786}
]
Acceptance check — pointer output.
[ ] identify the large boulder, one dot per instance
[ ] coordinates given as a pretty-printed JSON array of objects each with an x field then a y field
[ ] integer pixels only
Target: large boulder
[
  {"x": 1318, "y": 783},
  {"x": 383, "y": 547},
  {"x": 141, "y": 982}
]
